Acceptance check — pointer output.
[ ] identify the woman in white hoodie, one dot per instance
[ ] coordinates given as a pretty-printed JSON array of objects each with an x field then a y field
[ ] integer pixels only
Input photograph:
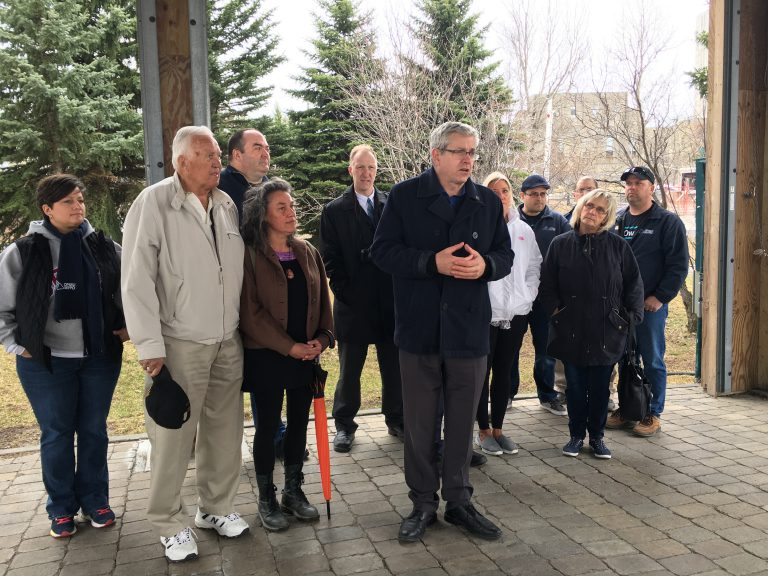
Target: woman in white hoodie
[{"x": 511, "y": 300}]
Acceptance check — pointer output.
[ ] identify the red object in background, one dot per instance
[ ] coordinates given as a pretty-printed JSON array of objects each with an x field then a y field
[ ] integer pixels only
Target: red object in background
[{"x": 321, "y": 433}]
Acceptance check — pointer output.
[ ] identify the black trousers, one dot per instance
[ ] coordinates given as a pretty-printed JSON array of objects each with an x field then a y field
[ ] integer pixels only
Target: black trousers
[
  {"x": 269, "y": 402},
  {"x": 427, "y": 378},
  {"x": 505, "y": 349},
  {"x": 346, "y": 399}
]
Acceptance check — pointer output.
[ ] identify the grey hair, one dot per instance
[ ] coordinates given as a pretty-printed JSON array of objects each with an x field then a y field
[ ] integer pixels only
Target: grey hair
[
  {"x": 438, "y": 139},
  {"x": 183, "y": 140},
  {"x": 610, "y": 217},
  {"x": 254, "y": 228}
]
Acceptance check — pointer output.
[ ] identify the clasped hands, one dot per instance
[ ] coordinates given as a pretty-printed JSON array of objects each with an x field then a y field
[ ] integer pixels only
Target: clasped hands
[
  {"x": 470, "y": 267},
  {"x": 308, "y": 351}
]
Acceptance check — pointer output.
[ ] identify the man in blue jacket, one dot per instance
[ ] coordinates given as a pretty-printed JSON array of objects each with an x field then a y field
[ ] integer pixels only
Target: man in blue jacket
[
  {"x": 546, "y": 225},
  {"x": 442, "y": 237},
  {"x": 660, "y": 244}
]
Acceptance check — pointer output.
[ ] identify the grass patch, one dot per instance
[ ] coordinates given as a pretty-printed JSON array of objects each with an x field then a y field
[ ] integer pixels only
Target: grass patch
[{"x": 19, "y": 428}]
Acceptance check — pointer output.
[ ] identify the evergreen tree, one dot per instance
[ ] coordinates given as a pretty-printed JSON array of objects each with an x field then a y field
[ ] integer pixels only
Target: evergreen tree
[
  {"x": 68, "y": 104},
  {"x": 242, "y": 41},
  {"x": 449, "y": 37},
  {"x": 323, "y": 131},
  {"x": 458, "y": 70}
]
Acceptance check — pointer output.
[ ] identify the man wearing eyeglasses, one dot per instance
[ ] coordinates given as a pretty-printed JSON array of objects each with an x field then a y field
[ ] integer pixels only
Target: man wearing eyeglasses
[
  {"x": 443, "y": 238},
  {"x": 546, "y": 225},
  {"x": 248, "y": 164},
  {"x": 660, "y": 244}
]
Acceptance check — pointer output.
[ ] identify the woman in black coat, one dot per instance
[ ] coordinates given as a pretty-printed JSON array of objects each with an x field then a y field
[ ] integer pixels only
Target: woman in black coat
[{"x": 591, "y": 287}]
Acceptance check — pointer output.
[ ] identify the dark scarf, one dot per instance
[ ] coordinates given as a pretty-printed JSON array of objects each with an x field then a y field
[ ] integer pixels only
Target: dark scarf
[{"x": 77, "y": 293}]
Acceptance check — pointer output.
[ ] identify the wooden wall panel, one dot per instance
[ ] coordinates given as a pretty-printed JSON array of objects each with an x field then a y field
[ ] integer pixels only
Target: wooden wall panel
[
  {"x": 750, "y": 152},
  {"x": 713, "y": 255},
  {"x": 762, "y": 359}
]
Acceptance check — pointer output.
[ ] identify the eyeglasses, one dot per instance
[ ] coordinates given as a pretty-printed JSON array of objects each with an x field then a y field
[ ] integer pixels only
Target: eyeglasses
[
  {"x": 471, "y": 154},
  {"x": 536, "y": 194},
  {"x": 598, "y": 209}
]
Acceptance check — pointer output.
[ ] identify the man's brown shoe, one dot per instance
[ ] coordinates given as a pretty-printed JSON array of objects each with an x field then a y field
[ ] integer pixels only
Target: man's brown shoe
[
  {"x": 616, "y": 421},
  {"x": 648, "y": 426}
]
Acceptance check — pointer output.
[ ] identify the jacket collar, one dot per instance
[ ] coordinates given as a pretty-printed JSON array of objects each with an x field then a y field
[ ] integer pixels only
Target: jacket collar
[
  {"x": 429, "y": 185},
  {"x": 654, "y": 212},
  {"x": 348, "y": 198},
  {"x": 177, "y": 201},
  {"x": 546, "y": 213}
]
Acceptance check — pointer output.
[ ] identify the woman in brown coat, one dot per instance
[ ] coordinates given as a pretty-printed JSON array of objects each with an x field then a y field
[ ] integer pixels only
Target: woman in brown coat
[{"x": 286, "y": 322}]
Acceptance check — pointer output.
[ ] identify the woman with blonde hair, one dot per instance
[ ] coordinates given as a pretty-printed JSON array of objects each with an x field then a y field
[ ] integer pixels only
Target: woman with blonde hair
[
  {"x": 511, "y": 300},
  {"x": 591, "y": 288}
]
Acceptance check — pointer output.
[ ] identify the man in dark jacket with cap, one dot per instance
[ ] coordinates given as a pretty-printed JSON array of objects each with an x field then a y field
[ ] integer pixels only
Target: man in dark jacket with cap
[
  {"x": 363, "y": 305},
  {"x": 660, "y": 244},
  {"x": 443, "y": 238},
  {"x": 546, "y": 225}
]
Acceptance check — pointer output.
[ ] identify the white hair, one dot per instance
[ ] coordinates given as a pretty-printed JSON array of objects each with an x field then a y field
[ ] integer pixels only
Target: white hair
[{"x": 183, "y": 140}]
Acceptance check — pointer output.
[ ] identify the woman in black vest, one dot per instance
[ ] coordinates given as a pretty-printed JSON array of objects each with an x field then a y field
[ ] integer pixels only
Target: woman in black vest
[{"x": 60, "y": 314}]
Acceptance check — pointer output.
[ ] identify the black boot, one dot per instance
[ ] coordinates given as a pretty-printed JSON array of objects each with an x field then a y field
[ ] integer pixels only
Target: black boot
[
  {"x": 294, "y": 501},
  {"x": 272, "y": 518}
]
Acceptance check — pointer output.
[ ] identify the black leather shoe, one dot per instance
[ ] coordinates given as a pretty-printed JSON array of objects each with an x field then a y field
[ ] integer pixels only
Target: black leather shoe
[
  {"x": 477, "y": 459},
  {"x": 396, "y": 430},
  {"x": 413, "y": 527},
  {"x": 474, "y": 522},
  {"x": 342, "y": 442}
]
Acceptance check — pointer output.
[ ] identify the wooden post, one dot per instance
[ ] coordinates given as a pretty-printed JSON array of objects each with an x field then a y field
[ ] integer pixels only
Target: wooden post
[
  {"x": 173, "y": 54},
  {"x": 173, "y": 60},
  {"x": 712, "y": 245}
]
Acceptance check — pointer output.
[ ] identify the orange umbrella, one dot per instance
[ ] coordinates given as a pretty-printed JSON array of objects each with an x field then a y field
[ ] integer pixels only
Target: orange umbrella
[{"x": 321, "y": 433}]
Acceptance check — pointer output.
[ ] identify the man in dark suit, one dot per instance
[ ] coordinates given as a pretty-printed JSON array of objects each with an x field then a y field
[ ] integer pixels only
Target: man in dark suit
[
  {"x": 248, "y": 164},
  {"x": 443, "y": 238},
  {"x": 363, "y": 307}
]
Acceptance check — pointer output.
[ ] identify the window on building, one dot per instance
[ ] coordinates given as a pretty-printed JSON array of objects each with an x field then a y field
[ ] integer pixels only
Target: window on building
[{"x": 609, "y": 145}]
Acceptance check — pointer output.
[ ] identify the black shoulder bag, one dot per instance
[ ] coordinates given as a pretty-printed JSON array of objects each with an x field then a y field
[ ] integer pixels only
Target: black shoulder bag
[{"x": 634, "y": 389}]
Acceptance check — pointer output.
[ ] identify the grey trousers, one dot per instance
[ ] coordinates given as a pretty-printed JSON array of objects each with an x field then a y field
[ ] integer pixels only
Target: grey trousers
[{"x": 459, "y": 381}]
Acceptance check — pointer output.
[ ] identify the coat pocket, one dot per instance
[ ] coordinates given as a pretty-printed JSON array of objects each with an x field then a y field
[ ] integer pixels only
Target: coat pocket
[{"x": 616, "y": 330}]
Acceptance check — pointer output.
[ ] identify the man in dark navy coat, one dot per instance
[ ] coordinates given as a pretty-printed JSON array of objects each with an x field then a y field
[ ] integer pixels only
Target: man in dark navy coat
[
  {"x": 363, "y": 306},
  {"x": 443, "y": 238},
  {"x": 247, "y": 165}
]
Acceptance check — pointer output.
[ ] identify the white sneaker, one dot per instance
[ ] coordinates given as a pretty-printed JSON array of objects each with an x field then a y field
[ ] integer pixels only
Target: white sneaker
[
  {"x": 229, "y": 526},
  {"x": 181, "y": 546}
]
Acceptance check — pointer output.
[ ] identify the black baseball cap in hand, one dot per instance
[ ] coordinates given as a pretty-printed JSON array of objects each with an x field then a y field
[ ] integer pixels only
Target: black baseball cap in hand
[
  {"x": 167, "y": 403},
  {"x": 640, "y": 172}
]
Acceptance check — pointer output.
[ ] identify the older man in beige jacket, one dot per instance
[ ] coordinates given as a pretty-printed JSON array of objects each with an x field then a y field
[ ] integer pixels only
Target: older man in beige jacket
[{"x": 182, "y": 271}]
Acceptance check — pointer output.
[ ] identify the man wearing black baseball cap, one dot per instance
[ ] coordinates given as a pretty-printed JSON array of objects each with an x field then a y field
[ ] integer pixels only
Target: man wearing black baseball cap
[
  {"x": 660, "y": 245},
  {"x": 546, "y": 224}
]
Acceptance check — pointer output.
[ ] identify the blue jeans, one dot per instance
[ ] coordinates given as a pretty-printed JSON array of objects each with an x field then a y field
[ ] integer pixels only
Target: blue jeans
[
  {"x": 73, "y": 400},
  {"x": 651, "y": 347},
  {"x": 587, "y": 396},
  {"x": 543, "y": 365}
]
